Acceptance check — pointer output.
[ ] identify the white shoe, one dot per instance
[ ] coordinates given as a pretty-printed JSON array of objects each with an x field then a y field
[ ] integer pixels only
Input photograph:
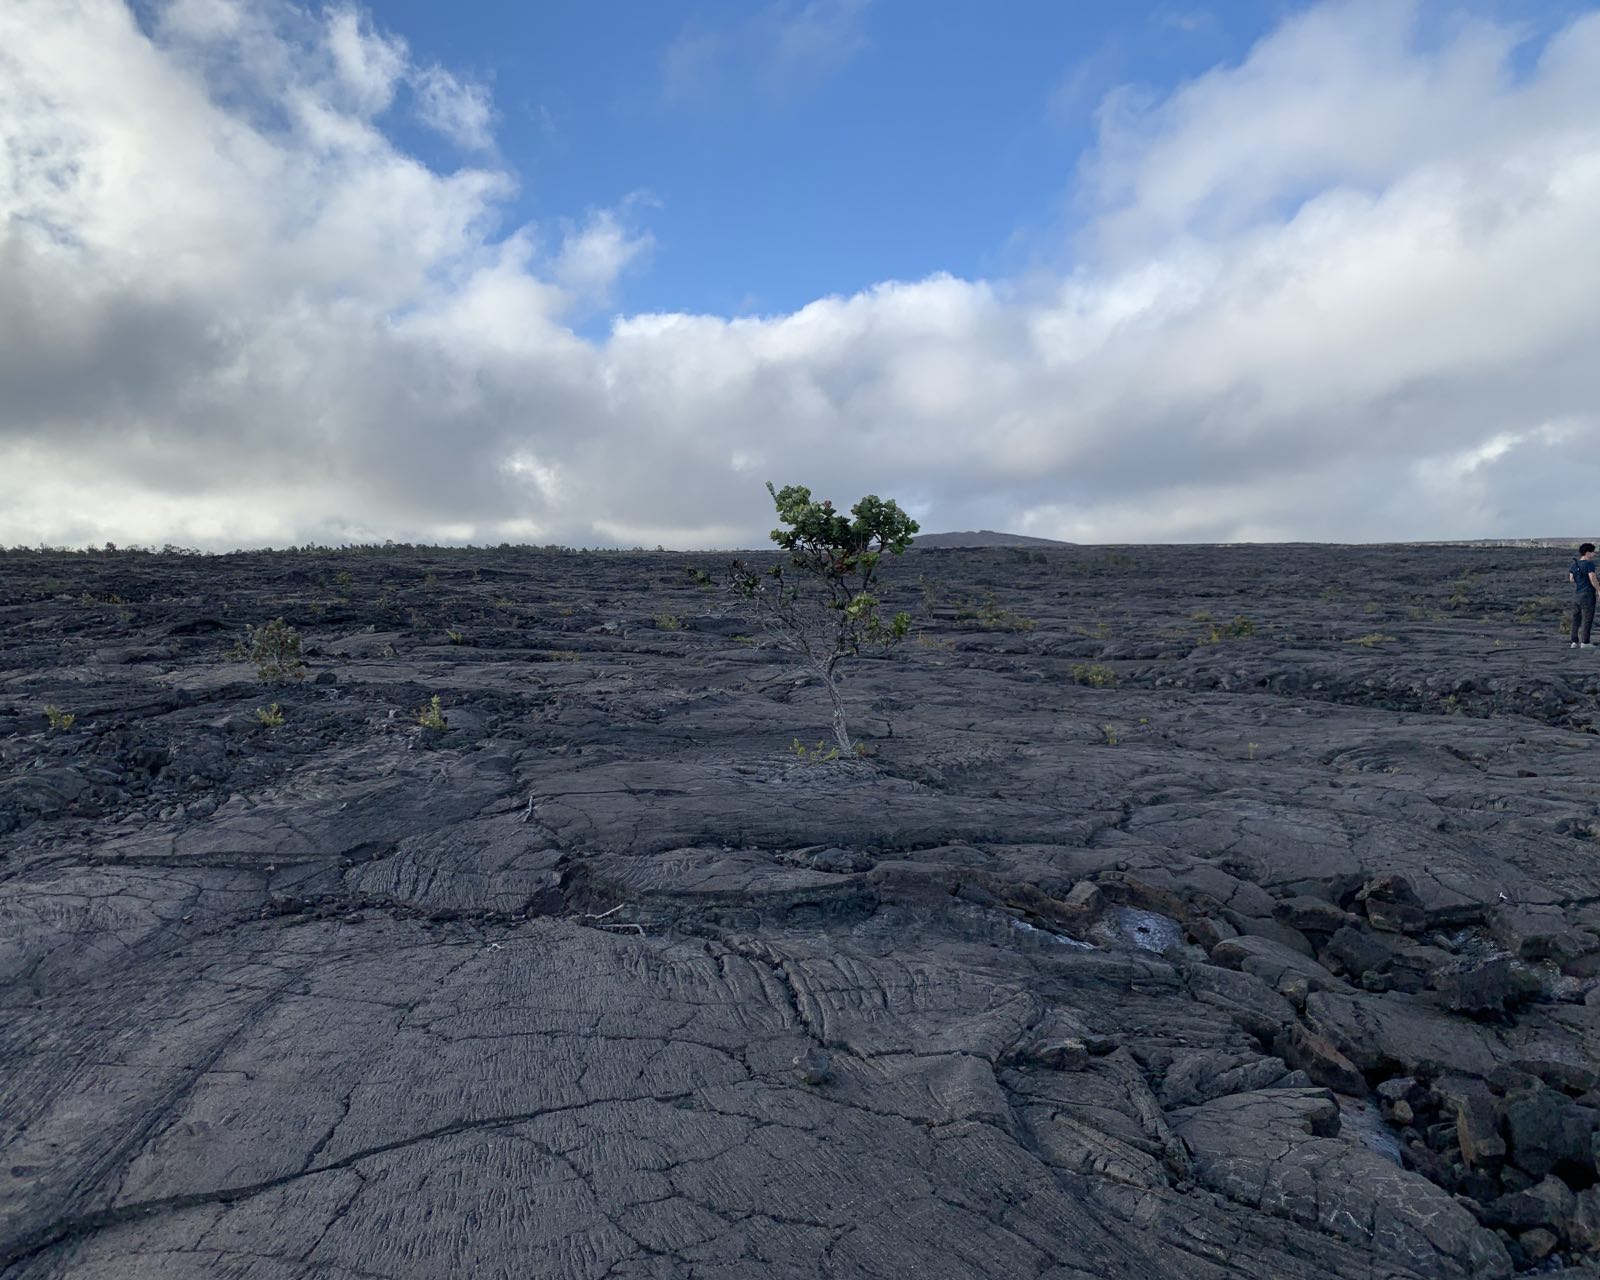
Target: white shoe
[{"x": 1573, "y": 645}]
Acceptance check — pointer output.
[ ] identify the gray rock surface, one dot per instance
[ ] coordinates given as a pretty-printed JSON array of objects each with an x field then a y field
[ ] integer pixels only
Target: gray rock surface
[{"x": 604, "y": 980}]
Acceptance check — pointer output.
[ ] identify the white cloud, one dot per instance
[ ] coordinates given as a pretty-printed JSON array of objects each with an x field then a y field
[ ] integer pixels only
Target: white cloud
[
  {"x": 369, "y": 64},
  {"x": 1346, "y": 289},
  {"x": 457, "y": 109},
  {"x": 594, "y": 254},
  {"x": 786, "y": 48}
]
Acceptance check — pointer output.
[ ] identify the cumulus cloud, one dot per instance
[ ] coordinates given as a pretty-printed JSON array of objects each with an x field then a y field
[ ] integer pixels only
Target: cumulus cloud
[
  {"x": 1345, "y": 289},
  {"x": 594, "y": 253}
]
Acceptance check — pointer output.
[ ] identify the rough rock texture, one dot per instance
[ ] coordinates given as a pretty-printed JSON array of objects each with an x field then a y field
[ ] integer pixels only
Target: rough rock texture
[{"x": 1254, "y": 936}]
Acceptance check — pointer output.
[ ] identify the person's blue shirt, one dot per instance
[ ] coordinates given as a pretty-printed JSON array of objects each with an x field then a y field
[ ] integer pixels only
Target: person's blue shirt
[{"x": 1580, "y": 569}]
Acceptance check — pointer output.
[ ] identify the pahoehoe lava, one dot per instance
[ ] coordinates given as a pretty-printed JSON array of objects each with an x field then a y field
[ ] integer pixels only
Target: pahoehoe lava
[{"x": 1204, "y": 912}]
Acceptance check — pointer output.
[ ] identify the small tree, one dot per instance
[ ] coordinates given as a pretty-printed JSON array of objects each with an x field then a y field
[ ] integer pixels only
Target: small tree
[{"x": 827, "y": 609}]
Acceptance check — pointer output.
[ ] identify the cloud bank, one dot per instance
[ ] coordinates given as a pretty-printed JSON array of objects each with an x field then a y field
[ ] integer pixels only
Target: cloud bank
[{"x": 1347, "y": 289}]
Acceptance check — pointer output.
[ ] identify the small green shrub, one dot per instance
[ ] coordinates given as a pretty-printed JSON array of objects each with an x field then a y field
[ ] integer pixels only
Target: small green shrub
[
  {"x": 1109, "y": 733},
  {"x": 274, "y": 648},
  {"x": 270, "y": 717},
  {"x": 1095, "y": 674},
  {"x": 456, "y": 636},
  {"x": 1370, "y": 640},
  {"x": 668, "y": 622},
  {"x": 431, "y": 715},
  {"x": 60, "y": 721}
]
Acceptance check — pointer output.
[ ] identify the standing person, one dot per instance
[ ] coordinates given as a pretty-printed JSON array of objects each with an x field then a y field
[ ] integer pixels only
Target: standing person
[{"x": 1581, "y": 573}]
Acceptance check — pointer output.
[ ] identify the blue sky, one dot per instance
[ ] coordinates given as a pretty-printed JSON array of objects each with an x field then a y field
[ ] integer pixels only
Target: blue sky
[
  {"x": 286, "y": 270},
  {"x": 906, "y": 137}
]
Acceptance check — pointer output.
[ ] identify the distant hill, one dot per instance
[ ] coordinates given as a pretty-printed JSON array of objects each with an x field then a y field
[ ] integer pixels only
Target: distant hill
[{"x": 983, "y": 538}]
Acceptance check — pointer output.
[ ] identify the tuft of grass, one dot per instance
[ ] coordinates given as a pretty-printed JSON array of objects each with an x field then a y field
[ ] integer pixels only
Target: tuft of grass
[
  {"x": 270, "y": 717},
  {"x": 345, "y": 579},
  {"x": 1534, "y": 611},
  {"x": 456, "y": 636},
  {"x": 1371, "y": 640},
  {"x": 668, "y": 622},
  {"x": 1109, "y": 733},
  {"x": 431, "y": 715},
  {"x": 1239, "y": 629},
  {"x": 60, "y": 721},
  {"x": 1095, "y": 674},
  {"x": 822, "y": 753},
  {"x": 990, "y": 613}
]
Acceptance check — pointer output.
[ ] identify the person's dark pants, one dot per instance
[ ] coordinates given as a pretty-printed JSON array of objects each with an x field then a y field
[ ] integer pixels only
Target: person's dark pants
[{"x": 1582, "y": 613}]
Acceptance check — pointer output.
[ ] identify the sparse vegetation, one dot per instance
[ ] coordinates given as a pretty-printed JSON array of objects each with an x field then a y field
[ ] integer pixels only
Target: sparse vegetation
[
  {"x": 1371, "y": 640},
  {"x": 431, "y": 715},
  {"x": 833, "y": 611},
  {"x": 60, "y": 721},
  {"x": 456, "y": 636},
  {"x": 270, "y": 717},
  {"x": 991, "y": 614},
  {"x": 1095, "y": 674},
  {"x": 1239, "y": 629},
  {"x": 1540, "y": 609},
  {"x": 821, "y": 753},
  {"x": 668, "y": 622},
  {"x": 274, "y": 648},
  {"x": 1109, "y": 733}
]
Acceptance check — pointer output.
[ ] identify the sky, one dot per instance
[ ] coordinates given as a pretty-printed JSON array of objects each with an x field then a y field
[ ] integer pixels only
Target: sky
[{"x": 591, "y": 272}]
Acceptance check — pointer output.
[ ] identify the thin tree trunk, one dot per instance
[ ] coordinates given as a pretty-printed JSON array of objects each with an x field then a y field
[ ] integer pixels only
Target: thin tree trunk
[{"x": 841, "y": 734}]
